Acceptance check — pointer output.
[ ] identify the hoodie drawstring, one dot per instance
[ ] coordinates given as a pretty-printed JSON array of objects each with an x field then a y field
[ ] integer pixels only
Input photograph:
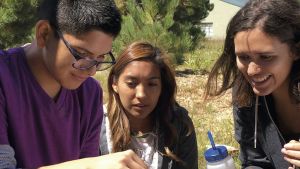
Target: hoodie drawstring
[{"x": 255, "y": 127}]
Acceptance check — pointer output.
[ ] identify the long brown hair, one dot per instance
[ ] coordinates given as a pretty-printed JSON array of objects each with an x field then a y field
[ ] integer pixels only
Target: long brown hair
[
  {"x": 277, "y": 18},
  {"x": 119, "y": 123}
]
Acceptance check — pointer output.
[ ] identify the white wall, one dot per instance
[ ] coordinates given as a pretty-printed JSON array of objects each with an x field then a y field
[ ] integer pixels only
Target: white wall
[{"x": 220, "y": 17}]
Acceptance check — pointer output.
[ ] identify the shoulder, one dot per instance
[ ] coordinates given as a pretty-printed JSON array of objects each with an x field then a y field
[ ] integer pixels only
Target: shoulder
[
  {"x": 6, "y": 54},
  {"x": 180, "y": 113},
  {"x": 181, "y": 119},
  {"x": 3, "y": 55},
  {"x": 12, "y": 63},
  {"x": 7, "y": 57}
]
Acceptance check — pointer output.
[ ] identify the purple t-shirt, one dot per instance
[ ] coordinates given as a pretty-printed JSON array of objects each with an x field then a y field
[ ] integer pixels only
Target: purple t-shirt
[{"x": 40, "y": 130}]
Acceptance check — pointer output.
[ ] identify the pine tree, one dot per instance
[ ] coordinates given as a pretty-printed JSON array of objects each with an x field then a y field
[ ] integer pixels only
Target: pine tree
[
  {"x": 17, "y": 18},
  {"x": 189, "y": 14},
  {"x": 169, "y": 24},
  {"x": 165, "y": 23}
]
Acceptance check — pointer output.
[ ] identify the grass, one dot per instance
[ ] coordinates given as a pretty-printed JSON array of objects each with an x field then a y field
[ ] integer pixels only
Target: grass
[
  {"x": 214, "y": 115},
  {"x": 203, "y": 58}
]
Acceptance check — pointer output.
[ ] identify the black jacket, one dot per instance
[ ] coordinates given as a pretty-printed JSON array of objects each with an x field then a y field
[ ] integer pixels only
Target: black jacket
[{"x": 267, "y": 154}]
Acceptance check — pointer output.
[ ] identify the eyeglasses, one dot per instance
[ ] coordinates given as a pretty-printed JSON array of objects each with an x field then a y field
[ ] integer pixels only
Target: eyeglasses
[{"x": 102, "y": 62}]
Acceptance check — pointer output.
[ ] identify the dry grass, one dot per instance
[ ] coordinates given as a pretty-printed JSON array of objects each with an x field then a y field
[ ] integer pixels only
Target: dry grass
[{"x": 214, "y": 115}]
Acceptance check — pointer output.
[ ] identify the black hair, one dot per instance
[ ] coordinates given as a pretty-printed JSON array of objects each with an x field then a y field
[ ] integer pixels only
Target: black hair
[{"x": 80, "y": 16}]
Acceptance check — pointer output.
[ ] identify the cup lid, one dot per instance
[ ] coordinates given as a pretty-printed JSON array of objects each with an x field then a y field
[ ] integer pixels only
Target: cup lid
[{"x": 217, "y": 154}]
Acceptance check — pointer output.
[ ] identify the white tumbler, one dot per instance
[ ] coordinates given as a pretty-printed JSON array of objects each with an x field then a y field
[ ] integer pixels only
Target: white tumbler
[{"x": 218, "y": 158}]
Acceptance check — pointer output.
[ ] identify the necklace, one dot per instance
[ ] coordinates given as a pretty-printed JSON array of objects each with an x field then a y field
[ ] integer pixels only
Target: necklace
[{"x": 145, "y": 145}]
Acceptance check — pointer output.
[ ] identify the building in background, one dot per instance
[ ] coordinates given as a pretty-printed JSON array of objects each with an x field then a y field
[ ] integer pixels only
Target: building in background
[{"x": 215, "y": 24}]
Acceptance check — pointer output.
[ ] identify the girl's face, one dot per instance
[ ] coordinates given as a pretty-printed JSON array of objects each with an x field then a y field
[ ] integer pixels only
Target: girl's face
[
  {"x": 264, "y": 61},
  {"x": 139, "y": 88}
]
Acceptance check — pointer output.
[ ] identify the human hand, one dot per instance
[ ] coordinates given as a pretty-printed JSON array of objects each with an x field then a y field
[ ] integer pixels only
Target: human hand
[
  {"x": 120, "y": 160},
  {"x": 291, "y": 152}
]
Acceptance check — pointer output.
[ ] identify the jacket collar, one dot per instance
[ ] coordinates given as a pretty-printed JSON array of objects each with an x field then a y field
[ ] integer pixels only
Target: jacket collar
[{"x": 271, "y": 141}]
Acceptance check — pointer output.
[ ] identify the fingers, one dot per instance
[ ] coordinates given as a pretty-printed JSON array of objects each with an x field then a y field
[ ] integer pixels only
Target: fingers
[
  {"x": 134, "y": 161},
  {"x": 291, "y": 152},
  {"x": 292, "y": 161},
  {"x": 121, "y": 160},
  {"x": 292, "y": 145}
]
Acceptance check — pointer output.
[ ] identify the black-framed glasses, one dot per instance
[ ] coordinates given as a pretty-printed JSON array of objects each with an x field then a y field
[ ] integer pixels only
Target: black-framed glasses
[{"x": 102, "y": 62}]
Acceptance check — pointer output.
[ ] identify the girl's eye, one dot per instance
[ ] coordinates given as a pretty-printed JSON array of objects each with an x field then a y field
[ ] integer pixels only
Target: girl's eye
[
  {"x": 131, "y": 84},
  {"x": 153, "y": 84}
]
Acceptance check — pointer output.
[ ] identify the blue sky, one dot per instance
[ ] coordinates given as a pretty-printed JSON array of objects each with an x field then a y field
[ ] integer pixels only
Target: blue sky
[{"x": 239, "y": 3}]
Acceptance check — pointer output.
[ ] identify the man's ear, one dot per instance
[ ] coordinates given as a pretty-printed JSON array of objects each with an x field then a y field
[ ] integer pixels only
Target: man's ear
[{"x": 43, "y": 32}]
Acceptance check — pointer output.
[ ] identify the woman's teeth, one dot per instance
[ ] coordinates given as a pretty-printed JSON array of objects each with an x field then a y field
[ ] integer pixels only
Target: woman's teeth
[{"x": 260, "y": 79}]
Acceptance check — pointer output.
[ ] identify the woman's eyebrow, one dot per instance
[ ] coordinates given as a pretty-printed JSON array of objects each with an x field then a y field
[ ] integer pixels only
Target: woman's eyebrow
[
  {"x": 238, "y": 53},
  {"x": 155, "y": 78},
  {"x": 131, "y": 77},
  {"x": 257, "y": 53}
]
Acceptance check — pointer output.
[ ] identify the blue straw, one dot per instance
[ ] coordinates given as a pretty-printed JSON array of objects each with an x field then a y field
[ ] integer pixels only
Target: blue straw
[{"x": 211, "y": 139}]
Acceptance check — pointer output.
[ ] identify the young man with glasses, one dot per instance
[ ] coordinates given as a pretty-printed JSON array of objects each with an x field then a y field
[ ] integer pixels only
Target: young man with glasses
[{"x": 50, "y": 107}]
